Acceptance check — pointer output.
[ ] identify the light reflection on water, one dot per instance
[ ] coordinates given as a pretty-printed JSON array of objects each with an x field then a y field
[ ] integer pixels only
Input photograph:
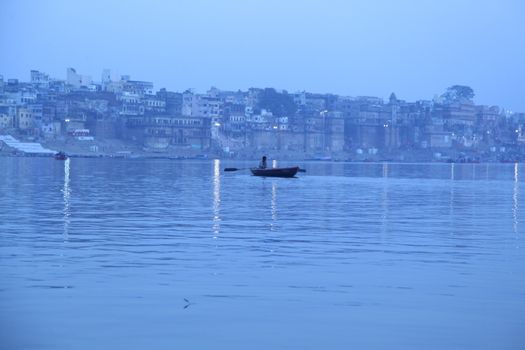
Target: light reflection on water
[
  {"x": 67, "y": 194},
  {"x": 384, "y": 202},
  {"x": 364, "y": 255},
  {"x": 515, "y": 194},
  {"x": 216, "y": 197},
  {"x": 274, "y": 206}
]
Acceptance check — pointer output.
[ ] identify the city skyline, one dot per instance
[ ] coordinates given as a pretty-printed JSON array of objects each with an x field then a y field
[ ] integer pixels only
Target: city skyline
[
  {"x": 116, "y": 76},
  {"x": 82, "y": 113},
  {"x": 346, "y": 48}
]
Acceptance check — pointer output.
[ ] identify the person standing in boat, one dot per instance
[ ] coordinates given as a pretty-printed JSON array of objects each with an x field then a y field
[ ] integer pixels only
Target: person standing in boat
[{"x": 263, "y": 164}]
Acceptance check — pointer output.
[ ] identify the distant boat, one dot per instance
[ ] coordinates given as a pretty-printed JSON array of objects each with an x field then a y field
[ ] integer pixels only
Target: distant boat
[
  {"x": 60, "y": 156},
  {"x": 275, "y": 172},
  {"x": 320, "y": 158}
]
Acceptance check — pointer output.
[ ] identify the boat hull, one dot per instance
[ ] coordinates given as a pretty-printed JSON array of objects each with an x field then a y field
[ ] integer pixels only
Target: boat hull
[{"x": 275, "y": 172}]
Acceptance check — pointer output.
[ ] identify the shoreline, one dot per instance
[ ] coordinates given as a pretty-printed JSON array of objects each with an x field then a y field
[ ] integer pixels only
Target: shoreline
[
  {"x": 234, "y": 159},
  {"x": 119, "y": 149}
]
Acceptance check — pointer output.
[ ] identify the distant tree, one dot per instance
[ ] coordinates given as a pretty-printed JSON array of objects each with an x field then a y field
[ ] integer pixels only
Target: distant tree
[
  {"x": 458, "y": 93},
  {"x": 280, "y": 104}
]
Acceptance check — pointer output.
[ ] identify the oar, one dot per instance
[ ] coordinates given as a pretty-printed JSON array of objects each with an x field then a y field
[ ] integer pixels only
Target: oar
[
  {"x": 237, "y": 169},
  {"x": 234, "y": 169}
]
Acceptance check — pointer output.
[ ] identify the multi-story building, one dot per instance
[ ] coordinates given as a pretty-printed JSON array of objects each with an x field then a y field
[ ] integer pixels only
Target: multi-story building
[
  {"x": 457, "y": 113},
  {"x": 172, "y": 101},
  {"x": 6, "y": 119},
  {"x": 24, "y": 119},
  {"x": 153, "y": 104},
  {"x": 140, "y": 88},
  {"x": 39, "y": 79},
  {"x": 160, "y": 131},
  {"x": 334, "y": 130}
]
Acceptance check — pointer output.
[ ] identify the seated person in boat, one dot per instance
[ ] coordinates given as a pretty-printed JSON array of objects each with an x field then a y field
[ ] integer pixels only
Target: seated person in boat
[{"x": 262, "y": 163}]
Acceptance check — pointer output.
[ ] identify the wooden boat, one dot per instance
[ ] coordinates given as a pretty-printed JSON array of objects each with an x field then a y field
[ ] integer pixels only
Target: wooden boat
[
  {"x": 60, "y": 156},
  {"x": 275, "y": 172}
]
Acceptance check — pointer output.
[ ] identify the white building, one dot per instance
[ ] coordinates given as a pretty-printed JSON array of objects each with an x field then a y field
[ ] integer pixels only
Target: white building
[
  {"x": 77, "y": 80},
  {"x": 39, "y": 78},
  {"x": 196, "y": 105}
]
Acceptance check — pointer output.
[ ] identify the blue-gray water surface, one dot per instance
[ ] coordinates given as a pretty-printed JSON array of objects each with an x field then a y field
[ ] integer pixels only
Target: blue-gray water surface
[{"x": 163, "y": 254}]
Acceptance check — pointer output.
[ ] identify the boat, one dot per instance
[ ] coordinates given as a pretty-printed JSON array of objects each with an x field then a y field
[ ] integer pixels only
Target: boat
[
  {"x": 320, "y": 158},
  {"x": 275, "y": 172},
  {"x": 60, "y": 156}
]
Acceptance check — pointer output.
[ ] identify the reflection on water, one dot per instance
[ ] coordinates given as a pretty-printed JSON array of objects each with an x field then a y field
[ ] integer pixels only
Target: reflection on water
[
  {"x": 274, "y": 206},
  {"x": 451, "y": 202},
  {"x": 216, "y": 197},
  {"x": 384, "y": 201},
  {"x": 515, "y": 194},
  {"x": 66, "y": 192},
  {"x": 384, "y": 256}
]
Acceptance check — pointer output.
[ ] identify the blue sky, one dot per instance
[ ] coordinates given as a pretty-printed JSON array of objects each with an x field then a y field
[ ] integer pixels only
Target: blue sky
[{"x": 413, "y": 48}]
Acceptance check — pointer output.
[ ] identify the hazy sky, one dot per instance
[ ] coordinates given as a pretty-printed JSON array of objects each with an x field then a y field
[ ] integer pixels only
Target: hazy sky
[{"x": 364, "y": 47}]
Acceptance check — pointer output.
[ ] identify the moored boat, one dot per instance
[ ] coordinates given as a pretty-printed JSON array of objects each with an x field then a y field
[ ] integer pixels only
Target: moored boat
[
  {"x": 275, "y": 172},
  {"x": 60, "y": 156}
]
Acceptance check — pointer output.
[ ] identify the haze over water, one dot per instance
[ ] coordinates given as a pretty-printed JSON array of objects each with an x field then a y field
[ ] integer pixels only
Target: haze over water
[{"x": 102, "y": 253}]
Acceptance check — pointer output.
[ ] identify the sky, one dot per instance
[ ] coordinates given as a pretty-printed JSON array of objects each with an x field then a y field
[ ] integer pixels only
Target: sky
[{"x": 354, "y": 48}]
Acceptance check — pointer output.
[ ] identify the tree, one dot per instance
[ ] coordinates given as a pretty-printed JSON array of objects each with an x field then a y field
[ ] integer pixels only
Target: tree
[
  {"x": 458, "y": 93},
  {"x": 281, "y": 104}
]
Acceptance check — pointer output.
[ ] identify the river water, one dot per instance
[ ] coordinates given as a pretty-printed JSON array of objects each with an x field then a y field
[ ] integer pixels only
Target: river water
[{"x": 160, "y": 254}]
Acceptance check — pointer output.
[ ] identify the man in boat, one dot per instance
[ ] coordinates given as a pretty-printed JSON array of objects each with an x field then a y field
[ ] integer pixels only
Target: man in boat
[{"x": 263, "y": 164}]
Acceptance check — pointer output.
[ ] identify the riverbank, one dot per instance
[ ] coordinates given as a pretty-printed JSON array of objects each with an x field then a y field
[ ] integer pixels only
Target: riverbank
[
  {"x": 115, "y": 148},
  {"x": 125, "y": 155}
]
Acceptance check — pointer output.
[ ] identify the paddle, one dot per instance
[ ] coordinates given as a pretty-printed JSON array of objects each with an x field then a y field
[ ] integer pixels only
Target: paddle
[{"x": 237, "y": 169}]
